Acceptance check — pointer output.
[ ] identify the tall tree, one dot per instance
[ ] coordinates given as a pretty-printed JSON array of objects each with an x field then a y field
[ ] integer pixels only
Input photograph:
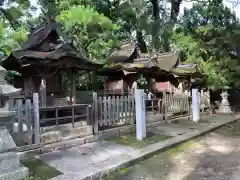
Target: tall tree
[{"x": 207, "y": 35}]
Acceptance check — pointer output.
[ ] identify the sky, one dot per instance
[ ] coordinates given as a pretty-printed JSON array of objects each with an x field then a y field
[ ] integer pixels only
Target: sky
[
  {"x": 227, "y": 3},
  {"x": 185, "y": 4}
]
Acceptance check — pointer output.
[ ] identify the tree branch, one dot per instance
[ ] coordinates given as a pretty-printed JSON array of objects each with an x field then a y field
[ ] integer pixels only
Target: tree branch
[
  {"x": 89, "y": 42},
  {"x": 14, "y": 24}
]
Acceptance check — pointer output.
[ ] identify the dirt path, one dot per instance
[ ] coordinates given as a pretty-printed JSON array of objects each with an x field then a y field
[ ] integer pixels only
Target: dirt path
[{"x": 215, "y": 156}]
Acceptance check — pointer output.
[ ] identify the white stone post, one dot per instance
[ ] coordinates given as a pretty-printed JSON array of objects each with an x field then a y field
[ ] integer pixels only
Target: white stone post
[
  {"x": 43, "y": 93},
  {"x": 140, "y": 114},
  {"x": 195, "y": 105},
  {"x": 36, "y": 118}
]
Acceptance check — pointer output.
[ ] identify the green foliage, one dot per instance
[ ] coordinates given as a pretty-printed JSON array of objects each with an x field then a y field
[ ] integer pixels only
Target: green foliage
[
  {"x": 207, "y": 36},
  {"x": 11, "y": 39},
  {"x": 93, "y": 33}
]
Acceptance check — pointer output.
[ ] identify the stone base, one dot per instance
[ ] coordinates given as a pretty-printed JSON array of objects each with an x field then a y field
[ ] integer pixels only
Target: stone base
[
  {"x": 16, "y": 174},
  {"x": 6, "y": 140},
  {"x": 224, "y": 109},
  {"x": 58, "y": 134},
  {"x": 10, "y": 168},
  {"x": 9, "y": 160}
]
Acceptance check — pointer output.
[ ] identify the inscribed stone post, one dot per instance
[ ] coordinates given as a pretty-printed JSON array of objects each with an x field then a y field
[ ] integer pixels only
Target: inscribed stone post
[
  {"x": 140, "y": 114},
  {"x": 36, "y": 118},
  {"x": 195, "y": 105}
]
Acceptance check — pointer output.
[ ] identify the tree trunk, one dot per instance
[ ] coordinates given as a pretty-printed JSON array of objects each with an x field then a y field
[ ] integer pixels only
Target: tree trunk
[
  {"x": 141, "y": 43},
  {"x": 156, "y": 25},
  {"x": 175, "y": 7}
]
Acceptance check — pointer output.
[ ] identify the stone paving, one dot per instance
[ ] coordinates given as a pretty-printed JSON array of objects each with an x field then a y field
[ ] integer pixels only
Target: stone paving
[
  {"x": 77, "y": 161},
  {"x": 215, "y": 156},
  {"x": 85, "y": 160}
]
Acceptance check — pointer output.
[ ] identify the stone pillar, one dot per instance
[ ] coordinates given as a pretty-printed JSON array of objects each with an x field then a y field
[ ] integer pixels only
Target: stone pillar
[
  {"x": 224, "y": 105},
  {"x": 43, "y": 93},
  {"x": 140, "y": 114},
  {"x": 195, "y": 105},
  {"x": 134, "y": 87}
]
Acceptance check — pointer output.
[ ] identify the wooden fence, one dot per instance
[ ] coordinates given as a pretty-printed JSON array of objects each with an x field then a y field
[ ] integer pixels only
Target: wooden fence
[
  {"x": 106, "y": 111},
  {"x": 34, "y": 124},
  {"x": 112, "y": 111}
]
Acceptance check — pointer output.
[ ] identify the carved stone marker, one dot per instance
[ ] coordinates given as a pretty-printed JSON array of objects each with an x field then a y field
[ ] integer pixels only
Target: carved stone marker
[
  {"x": 10, "y": 168},
  {"x": 195, "y": 105},
  {"x": 140, "y": 114}
]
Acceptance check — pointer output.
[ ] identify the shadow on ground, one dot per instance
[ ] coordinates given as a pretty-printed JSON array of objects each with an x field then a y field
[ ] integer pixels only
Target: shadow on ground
[{"x": 215, "y": 156}]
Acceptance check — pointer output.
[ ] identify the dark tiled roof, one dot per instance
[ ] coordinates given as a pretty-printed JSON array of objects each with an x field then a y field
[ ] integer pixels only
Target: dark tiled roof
[
  {"x": 40, "y": 34},
  {"x": 63, "y": 56},
  {"x": 126, "y": 53}
]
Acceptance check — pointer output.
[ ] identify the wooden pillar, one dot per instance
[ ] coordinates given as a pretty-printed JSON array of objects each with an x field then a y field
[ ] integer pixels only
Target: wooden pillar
[{"x": 73, "y": 97}]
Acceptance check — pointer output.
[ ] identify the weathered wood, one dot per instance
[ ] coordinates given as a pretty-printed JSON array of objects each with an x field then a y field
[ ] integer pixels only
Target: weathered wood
[
  {"x": 129, "y": 109},
  {"x": 36, "y": 118},
  {"x": 28, "y": 113},
  {"x": 122, "y": 108},
  {"x": 88, "y": 115},
  {"x": 94, "y": 112},
  {"x": 109, "y": 103},
  {"x": 73, "y": 97},
  {"x": 126, "y": 109},
  {"x": 105, "y": 110},
  {"x": 73, "y": 117},
  {"x": 101, "y": 114},
  {"x": 117, "y": 109},
  {"x": 133, "y": 109},
  {"x": 20, "y": 114},
  {"x": 56, "y": 115},
  {"x": 114, "y": 110}
]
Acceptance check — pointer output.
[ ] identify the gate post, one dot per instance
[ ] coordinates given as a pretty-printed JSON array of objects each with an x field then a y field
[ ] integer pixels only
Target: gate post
[
  {"x": 195, "y": 105},
  {"x": 95, "y": 113},
  {"x": 140, "y": 114},
  {"x": 36, "y": 118}
]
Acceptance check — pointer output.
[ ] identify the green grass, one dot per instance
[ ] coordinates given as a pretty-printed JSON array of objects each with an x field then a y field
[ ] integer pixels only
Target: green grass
[
  {"x": 39, "y": 170},
  {"x": 130, "y": 140}
]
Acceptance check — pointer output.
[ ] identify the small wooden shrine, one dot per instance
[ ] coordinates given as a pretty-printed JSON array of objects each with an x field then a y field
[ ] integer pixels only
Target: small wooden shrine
[
  {"x": 127, "y": 63},
  {"x": 43, "y": 59}
]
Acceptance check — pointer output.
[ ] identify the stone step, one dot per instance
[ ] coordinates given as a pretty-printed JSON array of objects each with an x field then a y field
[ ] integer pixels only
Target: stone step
[
  {"x": 15, "y": 174},
  {"x": 9, "y": 160}
]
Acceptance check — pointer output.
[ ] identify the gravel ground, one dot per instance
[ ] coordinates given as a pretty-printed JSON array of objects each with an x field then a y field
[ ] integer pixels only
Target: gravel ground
[{"x": 215, "y": 156}]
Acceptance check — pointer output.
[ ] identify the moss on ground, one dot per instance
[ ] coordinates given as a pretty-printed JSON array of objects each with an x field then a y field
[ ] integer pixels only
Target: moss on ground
[
  {"x": 232, "y": 129},
  {"x": 39, "y": 170},
  {"x": 121, "y": 171},
  {"x": 182, "y": 147},
  {"x": 160, "y": 158},
  {"x": 130, "y": 140}
]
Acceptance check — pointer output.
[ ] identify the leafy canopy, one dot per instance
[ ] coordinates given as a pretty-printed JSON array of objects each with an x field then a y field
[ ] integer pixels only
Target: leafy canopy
[
  {"x": 92, "y": 32},
  {"x": 207, "y": 36}
]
